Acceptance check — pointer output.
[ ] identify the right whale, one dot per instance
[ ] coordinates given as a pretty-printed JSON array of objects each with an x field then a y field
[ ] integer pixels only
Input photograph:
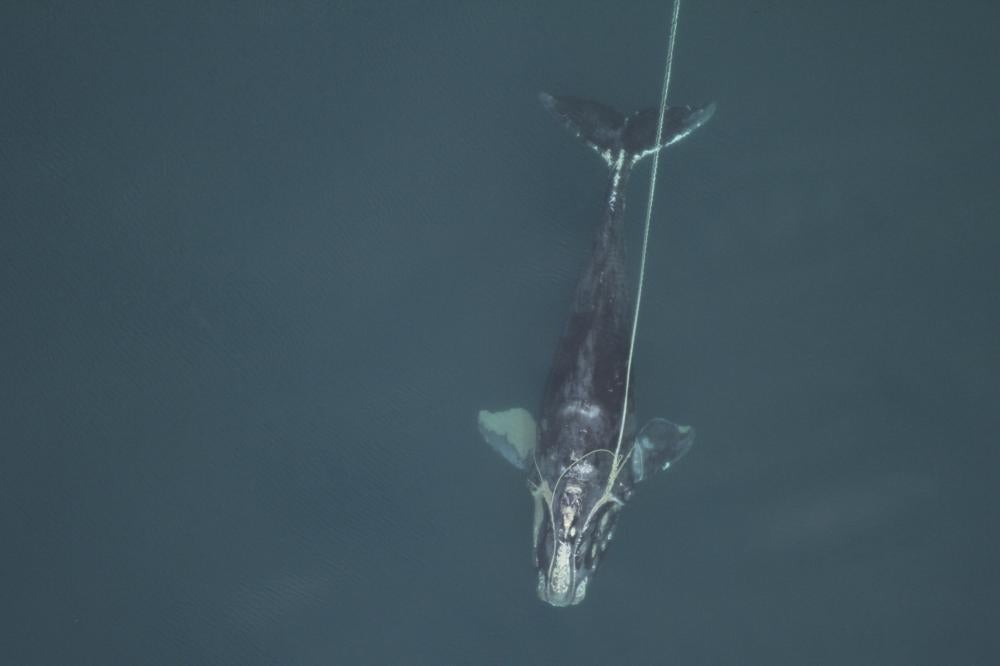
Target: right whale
[{"x": 578, "y": 475}]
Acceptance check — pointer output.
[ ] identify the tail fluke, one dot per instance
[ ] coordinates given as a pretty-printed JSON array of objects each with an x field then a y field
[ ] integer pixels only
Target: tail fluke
[
  {"x": 678, "y": 122},
  {"x": 599, "y": 126},
  {"x": 608, "y": 131}
]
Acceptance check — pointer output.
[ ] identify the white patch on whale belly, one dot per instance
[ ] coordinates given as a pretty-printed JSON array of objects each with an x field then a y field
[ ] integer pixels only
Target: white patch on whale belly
[{"x": 584, "y": 409}]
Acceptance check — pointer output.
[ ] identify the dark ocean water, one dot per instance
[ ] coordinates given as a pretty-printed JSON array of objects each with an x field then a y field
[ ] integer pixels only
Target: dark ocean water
[{"x": 264, "y": 261}]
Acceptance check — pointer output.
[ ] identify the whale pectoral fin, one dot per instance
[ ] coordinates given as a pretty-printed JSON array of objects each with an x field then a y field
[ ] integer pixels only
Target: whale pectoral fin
[
  {"x": 658, "y": 445},
  {"x": 511, "y": 433}
]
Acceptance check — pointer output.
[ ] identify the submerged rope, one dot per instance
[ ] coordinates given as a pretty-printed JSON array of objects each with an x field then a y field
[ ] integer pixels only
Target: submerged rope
[{"x": 649, "y": 217}]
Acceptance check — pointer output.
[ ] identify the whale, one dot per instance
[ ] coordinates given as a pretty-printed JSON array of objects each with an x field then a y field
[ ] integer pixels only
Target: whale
[{"x": 581, "y": 449}]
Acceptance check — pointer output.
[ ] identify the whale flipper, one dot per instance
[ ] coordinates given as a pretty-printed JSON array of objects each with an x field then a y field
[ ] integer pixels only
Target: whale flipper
[
  {"x": 658, "y": 445},
  {"x": 512, "y": 434}
]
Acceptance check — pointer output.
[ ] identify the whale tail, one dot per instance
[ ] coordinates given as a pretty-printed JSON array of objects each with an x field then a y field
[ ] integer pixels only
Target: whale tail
[{"x": 609, "y": 131}]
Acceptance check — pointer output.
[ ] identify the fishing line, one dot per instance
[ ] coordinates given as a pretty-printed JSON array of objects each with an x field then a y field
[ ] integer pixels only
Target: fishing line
[{"x": 645, "y": 233}]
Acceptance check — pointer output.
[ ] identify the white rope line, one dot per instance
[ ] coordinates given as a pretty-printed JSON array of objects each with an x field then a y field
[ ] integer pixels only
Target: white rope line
[{"x": 645, "y": 233}]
